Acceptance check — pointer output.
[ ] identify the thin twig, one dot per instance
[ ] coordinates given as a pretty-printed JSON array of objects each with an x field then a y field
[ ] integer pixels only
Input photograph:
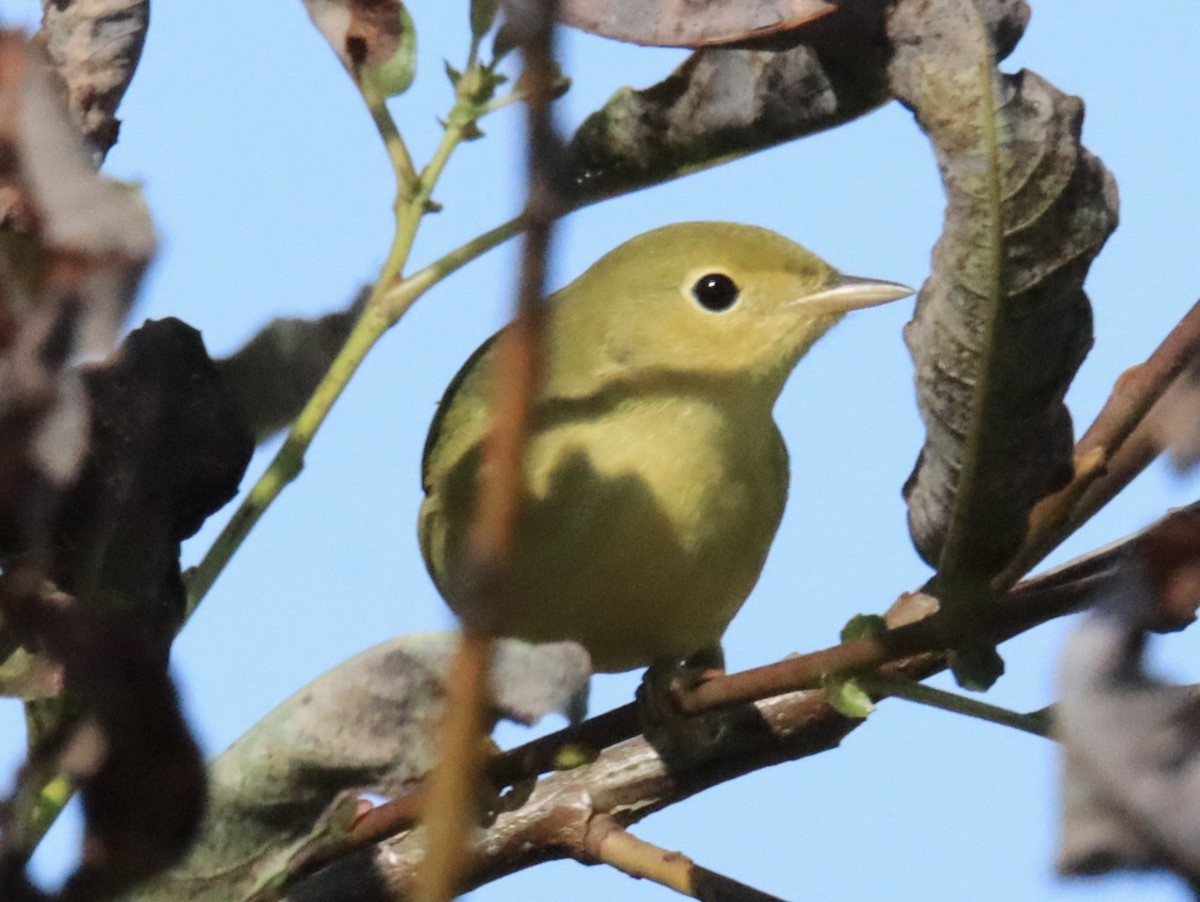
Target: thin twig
[
  {"x": 377, "y": 824},
  {"x": 454, "y": 781},
  {"x": 451, "y": 811},
  {"x": 393, "y": 141},
  {"x": 383, "y": 308},
  {"x": 1115, "y": 449},
  {"x": 897, "y": 687},
  {"x": 610, "y": 843}
]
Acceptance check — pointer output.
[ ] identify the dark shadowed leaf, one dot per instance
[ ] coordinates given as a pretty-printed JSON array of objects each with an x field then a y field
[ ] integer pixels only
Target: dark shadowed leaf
[
  {"x": 1131, "y": 775},
  {"x": 724, "y": 103},
  {"x": 1002, "y": 322},
  {"x": 272, "y": 376},
  {"x": 139, "y": 772},
  {"x": 368, "y": 725},
  {"x": 166, "y": 450},
  {"x": 666, "y": 23}
]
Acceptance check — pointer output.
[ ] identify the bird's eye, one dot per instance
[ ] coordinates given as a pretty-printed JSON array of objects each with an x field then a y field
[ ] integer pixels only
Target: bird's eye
[{"x": 715, "y": 291}]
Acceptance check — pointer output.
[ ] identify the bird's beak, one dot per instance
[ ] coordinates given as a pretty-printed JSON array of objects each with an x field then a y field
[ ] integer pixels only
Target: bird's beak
[{"x": 852, "y": 293}]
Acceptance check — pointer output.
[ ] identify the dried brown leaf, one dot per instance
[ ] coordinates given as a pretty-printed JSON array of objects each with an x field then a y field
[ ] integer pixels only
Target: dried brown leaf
[
  {"x": 73, "y": 247},
  {"x": 1002, "y": 323},
  {"x": 670, "y": 23},
  {"x": 368, "y": 725},
  {"x": 724, "y": 103},
  {"x": 374, "y": 39},
  {"x": 95, "y": 46},
  {"x": 1131, "y": 772}
]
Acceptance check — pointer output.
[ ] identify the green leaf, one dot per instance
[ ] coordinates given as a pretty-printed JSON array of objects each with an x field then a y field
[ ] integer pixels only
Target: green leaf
[
  {"x": 395, "y": 74},
  {"x": 483, "y": 16},
  {"x": 864, "y": 626},
  {"x": 848, "y": 698}
]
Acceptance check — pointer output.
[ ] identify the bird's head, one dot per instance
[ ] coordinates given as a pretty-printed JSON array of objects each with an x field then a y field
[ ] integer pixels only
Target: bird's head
[{"x": 714, "y": 299}]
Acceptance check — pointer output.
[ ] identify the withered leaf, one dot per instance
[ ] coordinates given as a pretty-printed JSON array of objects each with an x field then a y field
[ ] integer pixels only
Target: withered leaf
[
  {"x": 1131, "y": 772},
  {"x": 166, "y": 450},
  {"x": 95, "y": 46},
  {"x": 1002, "y": 323},
  {"x": 668, "y": 23},
  {"x": 141, "y": 775},
  {"x": 368, "y": 725},
  {"x": 73, "y": 247},
  {"x": 724, "y": 103},
  {"x": 374, "y": 39}
]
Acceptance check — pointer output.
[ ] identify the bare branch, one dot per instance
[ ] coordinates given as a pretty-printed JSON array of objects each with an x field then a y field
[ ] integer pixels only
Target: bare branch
[
  {"x": 611, "y": 844},
  {"x": 454, "y": 781}
]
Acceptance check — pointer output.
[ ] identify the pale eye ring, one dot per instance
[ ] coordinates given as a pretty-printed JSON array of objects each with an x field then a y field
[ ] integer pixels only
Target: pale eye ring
[{"x": 715, "y": 292}]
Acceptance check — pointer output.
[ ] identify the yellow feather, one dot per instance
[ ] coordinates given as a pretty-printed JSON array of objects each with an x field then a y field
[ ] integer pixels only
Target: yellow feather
[{"x": 656, "y": 475}]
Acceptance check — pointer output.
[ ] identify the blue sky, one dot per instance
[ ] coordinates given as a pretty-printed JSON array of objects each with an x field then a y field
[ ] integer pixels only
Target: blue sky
[{"x": 272, "y": 197}]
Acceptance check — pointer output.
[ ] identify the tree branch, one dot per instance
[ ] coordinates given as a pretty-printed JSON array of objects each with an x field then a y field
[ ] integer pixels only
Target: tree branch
[
  {"x": 613, "y": 845},
  {"x": 455, "y": 780},
  {"x": 1117, "y": 447},
  {"x": 629, "y": 779}
]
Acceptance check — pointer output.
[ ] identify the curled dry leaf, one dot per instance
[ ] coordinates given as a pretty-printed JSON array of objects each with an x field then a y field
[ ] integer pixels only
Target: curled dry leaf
[
  {"x": 73, "y": 247},
  {"x": 1131, "y": 771},
  {"x": 95, "y": 46},
  {"x": 368, "y": 725},
  {"x": 374, "y": 39},
  {"x": 668, "y": 23},
  {"x": 724, "y": 103},
  {"x": 1002, "y": 323}
]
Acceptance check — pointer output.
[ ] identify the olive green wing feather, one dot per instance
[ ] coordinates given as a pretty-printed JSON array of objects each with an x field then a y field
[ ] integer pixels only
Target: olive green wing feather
[{"x": 477, "y": 371}]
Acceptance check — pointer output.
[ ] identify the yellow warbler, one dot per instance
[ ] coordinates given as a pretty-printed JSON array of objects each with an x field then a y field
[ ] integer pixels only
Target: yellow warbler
[{"x": 655, "y": 474}]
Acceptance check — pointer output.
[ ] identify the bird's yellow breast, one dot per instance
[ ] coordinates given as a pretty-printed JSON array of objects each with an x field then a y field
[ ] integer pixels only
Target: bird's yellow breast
[{"x": 643, "y": 530}]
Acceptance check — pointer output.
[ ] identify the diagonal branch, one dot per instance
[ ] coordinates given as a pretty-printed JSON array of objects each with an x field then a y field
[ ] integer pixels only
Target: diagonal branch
[
  {"x": 610, "y": 843},
  {"x": 1117, "y": 447},
  {"x": 629, "y": 779}
]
